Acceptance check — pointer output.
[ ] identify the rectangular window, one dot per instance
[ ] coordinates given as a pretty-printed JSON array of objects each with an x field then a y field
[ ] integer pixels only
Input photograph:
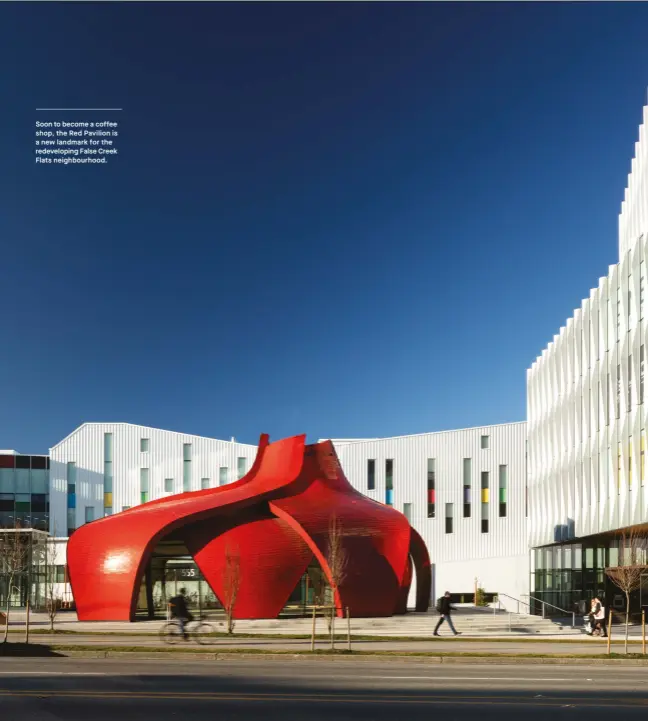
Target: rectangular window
[
  {"x": 71, "y": 520},
  {"x": 485, "y": 442},
  {"x": 144, "y": 445},
  {"x": 144, "y": 485},
  {"x": 448, "y": 517},
  {"x": 107, "y": 510},
  {"x": 71, "y": 477},
  {"x": 467, "y": 483},
  {"x": 503, "y": 470},
  {"x": 389, "y": 481},
  {"x": 431, "y": 487},
  {"x": 641, "y": 374},
  {"x": 108, "y": 462},
  {"x": 407, "y": 511},
  {"x": 485, "y": 482},
  {"x": 629, "y": 383},
  {"x": 186, "y": 467},
  {"x": 371, "y": 474},
  {"x": 168, "y": 485},
  {"x": 643, "y": 457},
  {"x": 89, "y": 514},
  {"x": 223, "y": 475},
  {"x": 241, "y": 467},
  {"x": 125, "y": 508},
  {"x": 204, "y": 483}
]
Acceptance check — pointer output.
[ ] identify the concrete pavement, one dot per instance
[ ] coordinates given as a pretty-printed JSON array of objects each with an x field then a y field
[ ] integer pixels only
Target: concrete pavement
[{"x": 43, "y": 690}]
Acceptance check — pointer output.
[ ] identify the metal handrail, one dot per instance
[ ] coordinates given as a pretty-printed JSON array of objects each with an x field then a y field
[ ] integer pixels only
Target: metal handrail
[{"x": 544, "y": 604}]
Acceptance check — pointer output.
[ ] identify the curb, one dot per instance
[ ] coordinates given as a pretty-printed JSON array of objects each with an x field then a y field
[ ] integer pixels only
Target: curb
[{"x": 363, "y": 658}]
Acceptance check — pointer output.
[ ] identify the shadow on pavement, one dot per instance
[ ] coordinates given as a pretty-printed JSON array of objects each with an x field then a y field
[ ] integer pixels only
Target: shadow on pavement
[{"x": 27, "y": 650}]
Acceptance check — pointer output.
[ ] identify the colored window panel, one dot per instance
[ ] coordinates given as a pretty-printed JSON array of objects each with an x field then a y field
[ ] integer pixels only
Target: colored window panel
[{"x": 371, "y": 474}]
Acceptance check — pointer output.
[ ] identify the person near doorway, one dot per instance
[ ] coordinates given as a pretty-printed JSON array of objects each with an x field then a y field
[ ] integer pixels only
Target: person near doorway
[
  {"x": 180, "y": 611},
  {"x": 445, "y": 609}
]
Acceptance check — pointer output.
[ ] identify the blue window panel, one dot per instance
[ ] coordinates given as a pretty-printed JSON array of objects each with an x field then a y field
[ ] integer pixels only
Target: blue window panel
[
  {"x": 71, "y": 500},
  {"x": 389, "y": 497}
]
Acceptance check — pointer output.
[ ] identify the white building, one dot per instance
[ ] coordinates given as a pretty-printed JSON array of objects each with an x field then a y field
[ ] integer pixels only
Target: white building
[
  {"x": 104, "y": 468},
  {"x": 587, "y": 417},
  {"x": 464, "y": 491}
]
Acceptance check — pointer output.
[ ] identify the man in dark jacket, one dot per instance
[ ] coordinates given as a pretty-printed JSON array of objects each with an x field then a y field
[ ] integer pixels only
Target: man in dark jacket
[
  {"x": 445, "y": 609},
  {"x": 180, "y": 611}
]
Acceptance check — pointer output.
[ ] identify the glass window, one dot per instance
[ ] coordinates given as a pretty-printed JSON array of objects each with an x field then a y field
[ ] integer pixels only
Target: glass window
[
  {"x": 223, "y": 475},
  {"x": 22, "y": 480},
  {"x": 241, "y": 467},
  {"x": 448, "y": 517},
  {"x": 71, "y": 520},
  {"x": 204, "y": 483},
  {"x": 108, "y": 511},
  {"x": 89, "y": 514},
  {"x": 144, "y": 480},
  {"x": 389, "y": 474},
  {"x": 629, "y": 383},
  {"x": 7, "y": 480},
  {"x": 467, "y": 482},
  {"x": 371, "y": 474},
  {"x": 503, "y": 483},
  {"x": 40, "y": 481},
  {"x": 168, "y": 485},
  {"x": 125, "y": 508},
  {"x": 431, "y": 487},
  {"x": 144, "y": 445},
  {"x": 108, "y": 462},
  {"x": 485, "y": 442},
  {"x": 407, "y": 511},
  {"x": 186, "y": 467},
  {"x": 485, "y": 481},
  {"x": 71, "y": 477}
]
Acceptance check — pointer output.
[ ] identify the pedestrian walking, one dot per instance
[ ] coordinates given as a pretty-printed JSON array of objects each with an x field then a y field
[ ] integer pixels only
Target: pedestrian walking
[{"x": 445, "y": 610}]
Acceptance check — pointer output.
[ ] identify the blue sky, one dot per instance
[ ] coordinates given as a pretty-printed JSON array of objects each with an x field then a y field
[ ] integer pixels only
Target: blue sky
[{"x": 344, "y": 220}]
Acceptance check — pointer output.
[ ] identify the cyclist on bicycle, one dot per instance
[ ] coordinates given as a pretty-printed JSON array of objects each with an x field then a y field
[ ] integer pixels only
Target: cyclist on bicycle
[{"x": 180, "y": 611}]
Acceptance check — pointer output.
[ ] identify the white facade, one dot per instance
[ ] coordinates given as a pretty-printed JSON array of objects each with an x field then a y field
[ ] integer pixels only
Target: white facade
[
  {"x": 496, "y": 555},
  {"x": 107, "y": 466},
  {"x": 585, "y": 395}
]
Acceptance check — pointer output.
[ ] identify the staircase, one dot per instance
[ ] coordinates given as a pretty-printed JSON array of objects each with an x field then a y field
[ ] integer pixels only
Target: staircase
[{"x": 469, "y": 620}]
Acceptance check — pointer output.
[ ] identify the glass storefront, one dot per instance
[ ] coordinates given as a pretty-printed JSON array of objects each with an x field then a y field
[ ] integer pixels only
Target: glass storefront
[
  {"x": 568, "y": 576},
  {"x": 23, "y": 568}
]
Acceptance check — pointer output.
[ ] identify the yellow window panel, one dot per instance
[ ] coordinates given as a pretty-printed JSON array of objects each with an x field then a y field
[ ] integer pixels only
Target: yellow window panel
[
  {"x": 485, "y": 495},
  {"x": 108, "y": 500}
]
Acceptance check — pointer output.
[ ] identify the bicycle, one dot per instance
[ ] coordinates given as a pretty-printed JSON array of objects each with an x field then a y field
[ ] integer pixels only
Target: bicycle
[{"x": 196, "y": 630}]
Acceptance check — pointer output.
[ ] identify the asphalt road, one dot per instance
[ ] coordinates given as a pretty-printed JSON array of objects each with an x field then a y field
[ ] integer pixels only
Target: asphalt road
[{"x": 273, "y": 689}]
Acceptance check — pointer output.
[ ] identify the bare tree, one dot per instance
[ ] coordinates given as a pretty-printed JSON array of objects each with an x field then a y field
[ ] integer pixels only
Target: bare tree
[
  {"x": 337, "y": 559},
  {"x": 627, "y": 575},
  {"x": 14, "y": 561},
  {"x": 53, "y": 599},
  {"x": 231, "y": 584}
]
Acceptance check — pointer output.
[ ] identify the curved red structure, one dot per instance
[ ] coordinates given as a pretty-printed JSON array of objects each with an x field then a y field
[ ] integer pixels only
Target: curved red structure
[{"x": 295, "y": 504}]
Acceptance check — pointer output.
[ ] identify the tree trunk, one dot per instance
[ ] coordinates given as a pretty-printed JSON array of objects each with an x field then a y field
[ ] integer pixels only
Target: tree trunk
[
  {"x": 333, "y": 611},
  {"x": 6, "y": 631},
  {"x": 27, "y": 623},
  {"x": 627, "y": 620}
]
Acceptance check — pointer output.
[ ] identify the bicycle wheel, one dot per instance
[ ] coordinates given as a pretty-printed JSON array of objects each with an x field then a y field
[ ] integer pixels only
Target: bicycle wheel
[
  {"x": 203, "y": 633},
  {"x": 170, "y": 633}
]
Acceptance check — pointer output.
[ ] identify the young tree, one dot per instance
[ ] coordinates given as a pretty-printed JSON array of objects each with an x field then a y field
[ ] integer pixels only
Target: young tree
[
  {"x": 53, "y": 599},
  {"x": 627, "y": 575},
  {"x": 14, "y": 561},
  {"x": 231, "y": 584},
  {"x": 337, "y": 560}
]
